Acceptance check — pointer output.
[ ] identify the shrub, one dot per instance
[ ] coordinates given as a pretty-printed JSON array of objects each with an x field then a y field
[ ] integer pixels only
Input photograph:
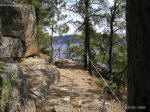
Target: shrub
[
  {"x": 100, "y": 82},
  {"x": 6, "y": 92},
  {"x": 2, "y": 65},
  {"x": 114, "y": 88}
]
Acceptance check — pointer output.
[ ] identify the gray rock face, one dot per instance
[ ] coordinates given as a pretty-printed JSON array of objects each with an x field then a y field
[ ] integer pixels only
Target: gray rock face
[
  {"x": 40, "y": 76},
  {"x": 11, "y": 47},
  {"x": 19, "y": 21},
  {"x": 14, "y": 93},
  {"x": 26, "y": 84}
]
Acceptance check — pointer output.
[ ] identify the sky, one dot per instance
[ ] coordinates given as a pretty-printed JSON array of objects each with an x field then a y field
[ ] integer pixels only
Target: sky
[{"x": 72, "y": 16}]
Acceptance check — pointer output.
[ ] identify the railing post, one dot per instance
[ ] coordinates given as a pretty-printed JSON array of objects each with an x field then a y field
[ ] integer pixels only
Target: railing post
[{"x": 104, "y": 109}]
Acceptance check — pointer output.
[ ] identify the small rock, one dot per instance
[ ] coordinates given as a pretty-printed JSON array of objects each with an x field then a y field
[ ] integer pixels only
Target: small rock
[
  {"x": 89, "y": 79},
  {"x": 63, "y": 108},
  {"x": 67, "y": 99}
]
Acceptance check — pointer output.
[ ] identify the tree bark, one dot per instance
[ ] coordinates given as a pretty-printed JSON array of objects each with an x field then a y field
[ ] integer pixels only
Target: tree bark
[
  {"x": 87, "y": 63},
  {"x": 138, "y": 37},
  {"x": 112, "y": 20},
  {"x": 111, "y": 45},
  {"x": 85, "y": 52},
  {"x": 51, "y": 42}
]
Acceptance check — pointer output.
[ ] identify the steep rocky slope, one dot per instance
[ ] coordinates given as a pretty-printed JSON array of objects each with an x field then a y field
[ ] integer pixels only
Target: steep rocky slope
[
  {"x": 40, "y": 76},
  {"x": 25, "y": 85}
]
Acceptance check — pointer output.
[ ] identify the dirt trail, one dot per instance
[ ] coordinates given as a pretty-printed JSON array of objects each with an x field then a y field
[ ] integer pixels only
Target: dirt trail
[{"x": 76, "y": 91}]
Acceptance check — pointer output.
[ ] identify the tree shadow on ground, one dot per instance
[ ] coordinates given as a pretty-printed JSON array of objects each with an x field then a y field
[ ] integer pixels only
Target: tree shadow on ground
[{"x": 67, "y": 65}]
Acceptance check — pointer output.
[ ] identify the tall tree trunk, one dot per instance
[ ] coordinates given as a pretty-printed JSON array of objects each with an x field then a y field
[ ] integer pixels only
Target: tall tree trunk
[
  {"x": 112, "y": 20},
  {"x": 110, "y": 46},
  {"x": 52, "y": 52},
  {"x": 138, "y": 37},
  {"x": 87, "y": 63},
  {"x": 86, "y": 20},
  {"x": 37, "y": 12},
  {"x": 85, "y": 52}
]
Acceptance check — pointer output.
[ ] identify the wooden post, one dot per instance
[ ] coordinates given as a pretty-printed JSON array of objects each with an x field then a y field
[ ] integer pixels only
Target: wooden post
[{"x": 104, "y": 100}]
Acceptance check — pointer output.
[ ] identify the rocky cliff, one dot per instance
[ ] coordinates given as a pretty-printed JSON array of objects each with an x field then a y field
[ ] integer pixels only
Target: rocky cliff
[{"x": 18, "y": 29}]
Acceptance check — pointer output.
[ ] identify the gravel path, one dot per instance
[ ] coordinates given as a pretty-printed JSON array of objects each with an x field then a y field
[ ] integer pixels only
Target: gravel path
[{"x": 76, "y": 91}]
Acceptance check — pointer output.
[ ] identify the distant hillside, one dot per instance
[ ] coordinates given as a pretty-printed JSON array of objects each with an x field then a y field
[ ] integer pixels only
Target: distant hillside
[{"x": 63, "y": 39}]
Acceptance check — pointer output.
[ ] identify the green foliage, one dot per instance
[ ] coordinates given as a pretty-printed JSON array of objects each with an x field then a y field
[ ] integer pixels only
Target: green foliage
[
  {"x": 100, "y": 82},
  {"x": 6, "y": 92},
  {"x": 2, "y": 65},
  {"x": 74, "y": 51},
  {"x": 114, "y": 88},
  {"x": 53, "y": 16},
  {"x": 43, "y": 40}
]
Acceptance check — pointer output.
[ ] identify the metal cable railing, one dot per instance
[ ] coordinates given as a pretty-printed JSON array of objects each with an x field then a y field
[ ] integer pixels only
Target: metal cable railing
[{"x": 106, "y": 84}]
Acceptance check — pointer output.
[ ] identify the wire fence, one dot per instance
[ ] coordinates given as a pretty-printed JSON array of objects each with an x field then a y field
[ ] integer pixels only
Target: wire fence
[{"x": 106, "y": 84}]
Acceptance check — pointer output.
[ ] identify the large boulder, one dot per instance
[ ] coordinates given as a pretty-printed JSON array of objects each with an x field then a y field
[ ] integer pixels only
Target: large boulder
[
  {"x": 14, "y": 92},
  {"x": 40, "y": 76},
  {"x": 18, "y": 21},
  {"x": 11, "y": 47}
]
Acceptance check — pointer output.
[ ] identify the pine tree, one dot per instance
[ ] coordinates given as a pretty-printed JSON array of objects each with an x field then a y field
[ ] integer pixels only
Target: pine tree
[
  {"x": 138, "y": 25},
  {"x": 86, "y": 10},
  {"x": 48, "y": 14},
  {"x": 54, "y": 15},
  {"x": 114, "y": 17},
  {"x": 116, "y": 12}
]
